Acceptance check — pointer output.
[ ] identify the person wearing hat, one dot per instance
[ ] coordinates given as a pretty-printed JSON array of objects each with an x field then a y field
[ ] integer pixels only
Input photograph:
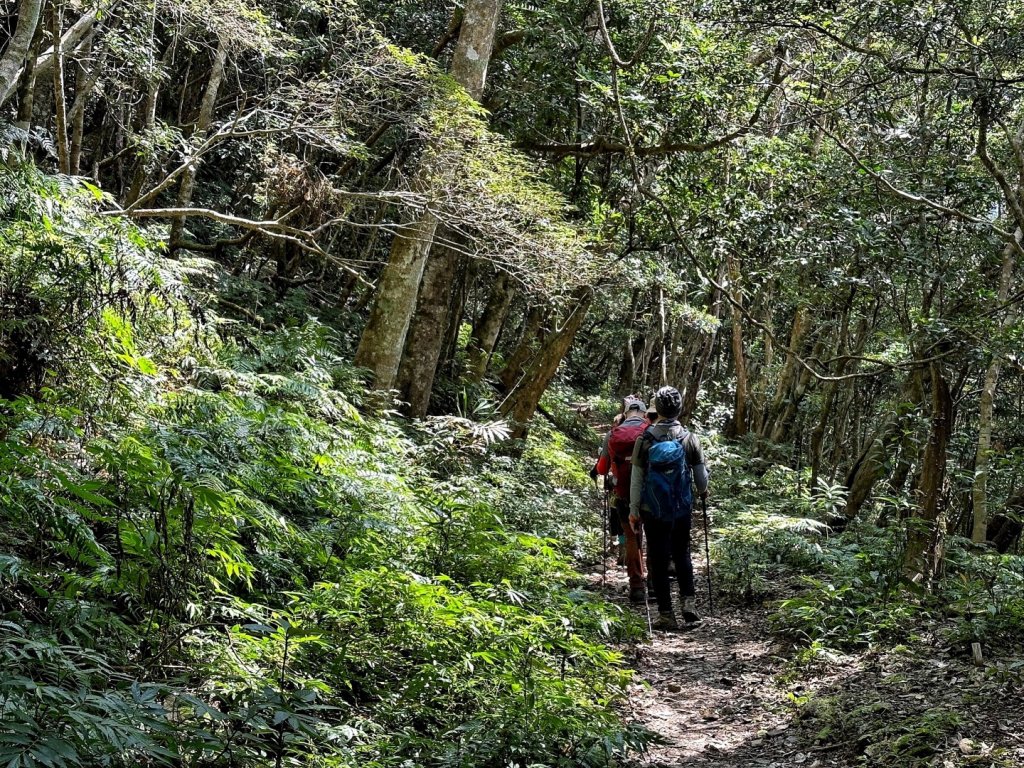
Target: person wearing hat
[
  {"x": 668, "y": 541},
  {"x": 616, "y": 453}
]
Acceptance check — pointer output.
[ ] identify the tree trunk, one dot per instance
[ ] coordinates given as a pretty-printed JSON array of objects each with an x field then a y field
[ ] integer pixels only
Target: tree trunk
[
  {"x": 831, "y": 396},
  {"x": 515, "y": 365},
  {"x": 739, "y": 418},
  {"x": 426, "y": 335},
  {"x": 864, "y": 473},
  {"x": 85, "y": 81},
  {"x": 27, "y": 88},
  {"x": 673, "y": 354},
  {"x": 149, "y": 110},
  {"x": 467, "y": 272},
  {"x": 761, "y": 373},
  {"x": 686, "y": 361},
  {"x": 434, "y": 328},
  {"x": 522, "y": 401},
  {"x": 979, "y": 490},
  {"x": 59, "y": 106},
  {"x": 645, "y": 359},
  {"x": 921, "y": 529},
  {"x": 488, "y": 326},
  {"x": 383, "y": 340},
  {"x": 706, "y": 347},
  {"x": 476, "y": 42},
  {"x": 663, "y": 333},
  {"x": 788, "y": 376},
  {"x": 203, "y": 123},
  {"x": 71, "y": 39},
  {"x": 627, "y": 367},
  {"x": 786, "y": 418},
  {"x": 19, "y": 48},
  {"x": 840, "y": 444}
]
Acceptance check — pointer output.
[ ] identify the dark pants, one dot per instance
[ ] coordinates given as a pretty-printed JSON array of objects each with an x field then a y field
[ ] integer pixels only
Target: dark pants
[
  {"x": 669, "y": 542},
  {"x": 614, "y": 524}
]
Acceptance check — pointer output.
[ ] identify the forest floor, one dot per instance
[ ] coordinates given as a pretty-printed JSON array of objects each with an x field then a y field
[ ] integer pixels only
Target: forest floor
[{"x": 731, "y": 694}]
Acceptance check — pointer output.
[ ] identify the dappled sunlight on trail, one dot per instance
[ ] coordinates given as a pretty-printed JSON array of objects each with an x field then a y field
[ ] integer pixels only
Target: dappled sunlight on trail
[
  {"x": 730, "y": 695},
  {"x": 709, "y": 693}
]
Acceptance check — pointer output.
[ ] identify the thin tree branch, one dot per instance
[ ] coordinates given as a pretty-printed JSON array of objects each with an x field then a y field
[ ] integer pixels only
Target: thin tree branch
[{"x": 909, "y": 197}]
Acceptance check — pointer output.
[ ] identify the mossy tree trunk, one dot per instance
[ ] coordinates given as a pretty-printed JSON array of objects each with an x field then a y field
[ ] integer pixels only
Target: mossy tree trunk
[
  {"x": 384, "y": 338},
  {"x": 521, "y": 403}
]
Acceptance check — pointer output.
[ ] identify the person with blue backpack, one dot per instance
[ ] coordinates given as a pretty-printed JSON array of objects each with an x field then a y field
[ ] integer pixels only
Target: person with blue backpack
[{"x": 668, "y": 471}]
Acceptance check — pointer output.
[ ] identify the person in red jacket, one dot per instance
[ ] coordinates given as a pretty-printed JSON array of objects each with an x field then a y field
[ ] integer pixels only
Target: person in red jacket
[{"x": 615, "y": 458}]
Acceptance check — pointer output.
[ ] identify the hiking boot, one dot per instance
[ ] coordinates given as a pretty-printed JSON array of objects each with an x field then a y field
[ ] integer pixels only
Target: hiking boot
[
  {"x": 690, "y": 617},
  {"x": 666, "y": 622},
  {"x": 638, "y": 595}
]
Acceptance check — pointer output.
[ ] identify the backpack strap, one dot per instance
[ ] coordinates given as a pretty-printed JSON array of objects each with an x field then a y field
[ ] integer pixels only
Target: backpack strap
[
  {"x": 649, "y": 433},
  {"x": 691, "y": 446},
  {"x": 686, "y": 439}
]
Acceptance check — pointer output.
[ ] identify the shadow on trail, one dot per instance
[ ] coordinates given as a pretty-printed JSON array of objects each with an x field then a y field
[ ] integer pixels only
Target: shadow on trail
[
  {"x": 708, "y": 693},
  {"x": 726, "y": 695}
]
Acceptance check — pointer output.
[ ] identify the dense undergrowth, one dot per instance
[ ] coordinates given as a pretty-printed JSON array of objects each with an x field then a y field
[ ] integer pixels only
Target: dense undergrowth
[
  {"x": 847, "y": 590},
  {"x": 218, "y": 550},
  {"x": 878, "y": 646}
]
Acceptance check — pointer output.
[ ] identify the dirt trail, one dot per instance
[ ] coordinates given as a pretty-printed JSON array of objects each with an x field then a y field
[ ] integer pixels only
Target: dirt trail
[
  {"x": 710, "y": 693},
  {"x": 728, "y": 695},
  {"x": 719, "y": 696}
]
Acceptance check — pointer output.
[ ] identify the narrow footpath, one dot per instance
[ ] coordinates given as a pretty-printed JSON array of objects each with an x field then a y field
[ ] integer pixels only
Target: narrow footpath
[
  {"x": 730, "y": 694},
  {"x": 710, "y": 694},
  {"x": 727, "y": 695}
]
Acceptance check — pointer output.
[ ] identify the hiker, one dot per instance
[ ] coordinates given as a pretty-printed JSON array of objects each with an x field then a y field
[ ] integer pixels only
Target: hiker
[
  {"x": 668, "y": 470},
  {"x": 615, "y": 457}
]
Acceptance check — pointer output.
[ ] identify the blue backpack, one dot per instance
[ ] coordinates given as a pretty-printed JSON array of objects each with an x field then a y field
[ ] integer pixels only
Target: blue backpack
[{"x": 668, "y": 487}]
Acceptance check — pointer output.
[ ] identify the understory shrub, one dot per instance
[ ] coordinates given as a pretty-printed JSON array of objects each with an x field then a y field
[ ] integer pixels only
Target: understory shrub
[{"x": 218, "y": 550}]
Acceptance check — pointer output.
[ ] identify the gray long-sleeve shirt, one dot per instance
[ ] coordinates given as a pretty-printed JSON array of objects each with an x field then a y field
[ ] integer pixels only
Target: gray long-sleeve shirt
[{"x": 694, "y": 457}]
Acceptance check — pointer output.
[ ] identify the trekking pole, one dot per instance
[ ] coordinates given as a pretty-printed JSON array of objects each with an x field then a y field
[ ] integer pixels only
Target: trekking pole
[
  {"x": 650, "y": 626},
  {"x": 597, "y": 490},
  {"x": 707, "y": 553},
  {"x": 604, "y": 540},
  {"x": 647, "y": 600}
]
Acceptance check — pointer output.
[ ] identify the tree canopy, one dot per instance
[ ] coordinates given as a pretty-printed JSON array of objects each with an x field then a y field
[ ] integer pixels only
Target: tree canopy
[{"x": 285, "y": 283}]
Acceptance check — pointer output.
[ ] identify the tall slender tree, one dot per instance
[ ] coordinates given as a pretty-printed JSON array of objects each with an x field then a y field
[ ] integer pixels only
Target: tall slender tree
[{"x": 383, "y": 340}]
